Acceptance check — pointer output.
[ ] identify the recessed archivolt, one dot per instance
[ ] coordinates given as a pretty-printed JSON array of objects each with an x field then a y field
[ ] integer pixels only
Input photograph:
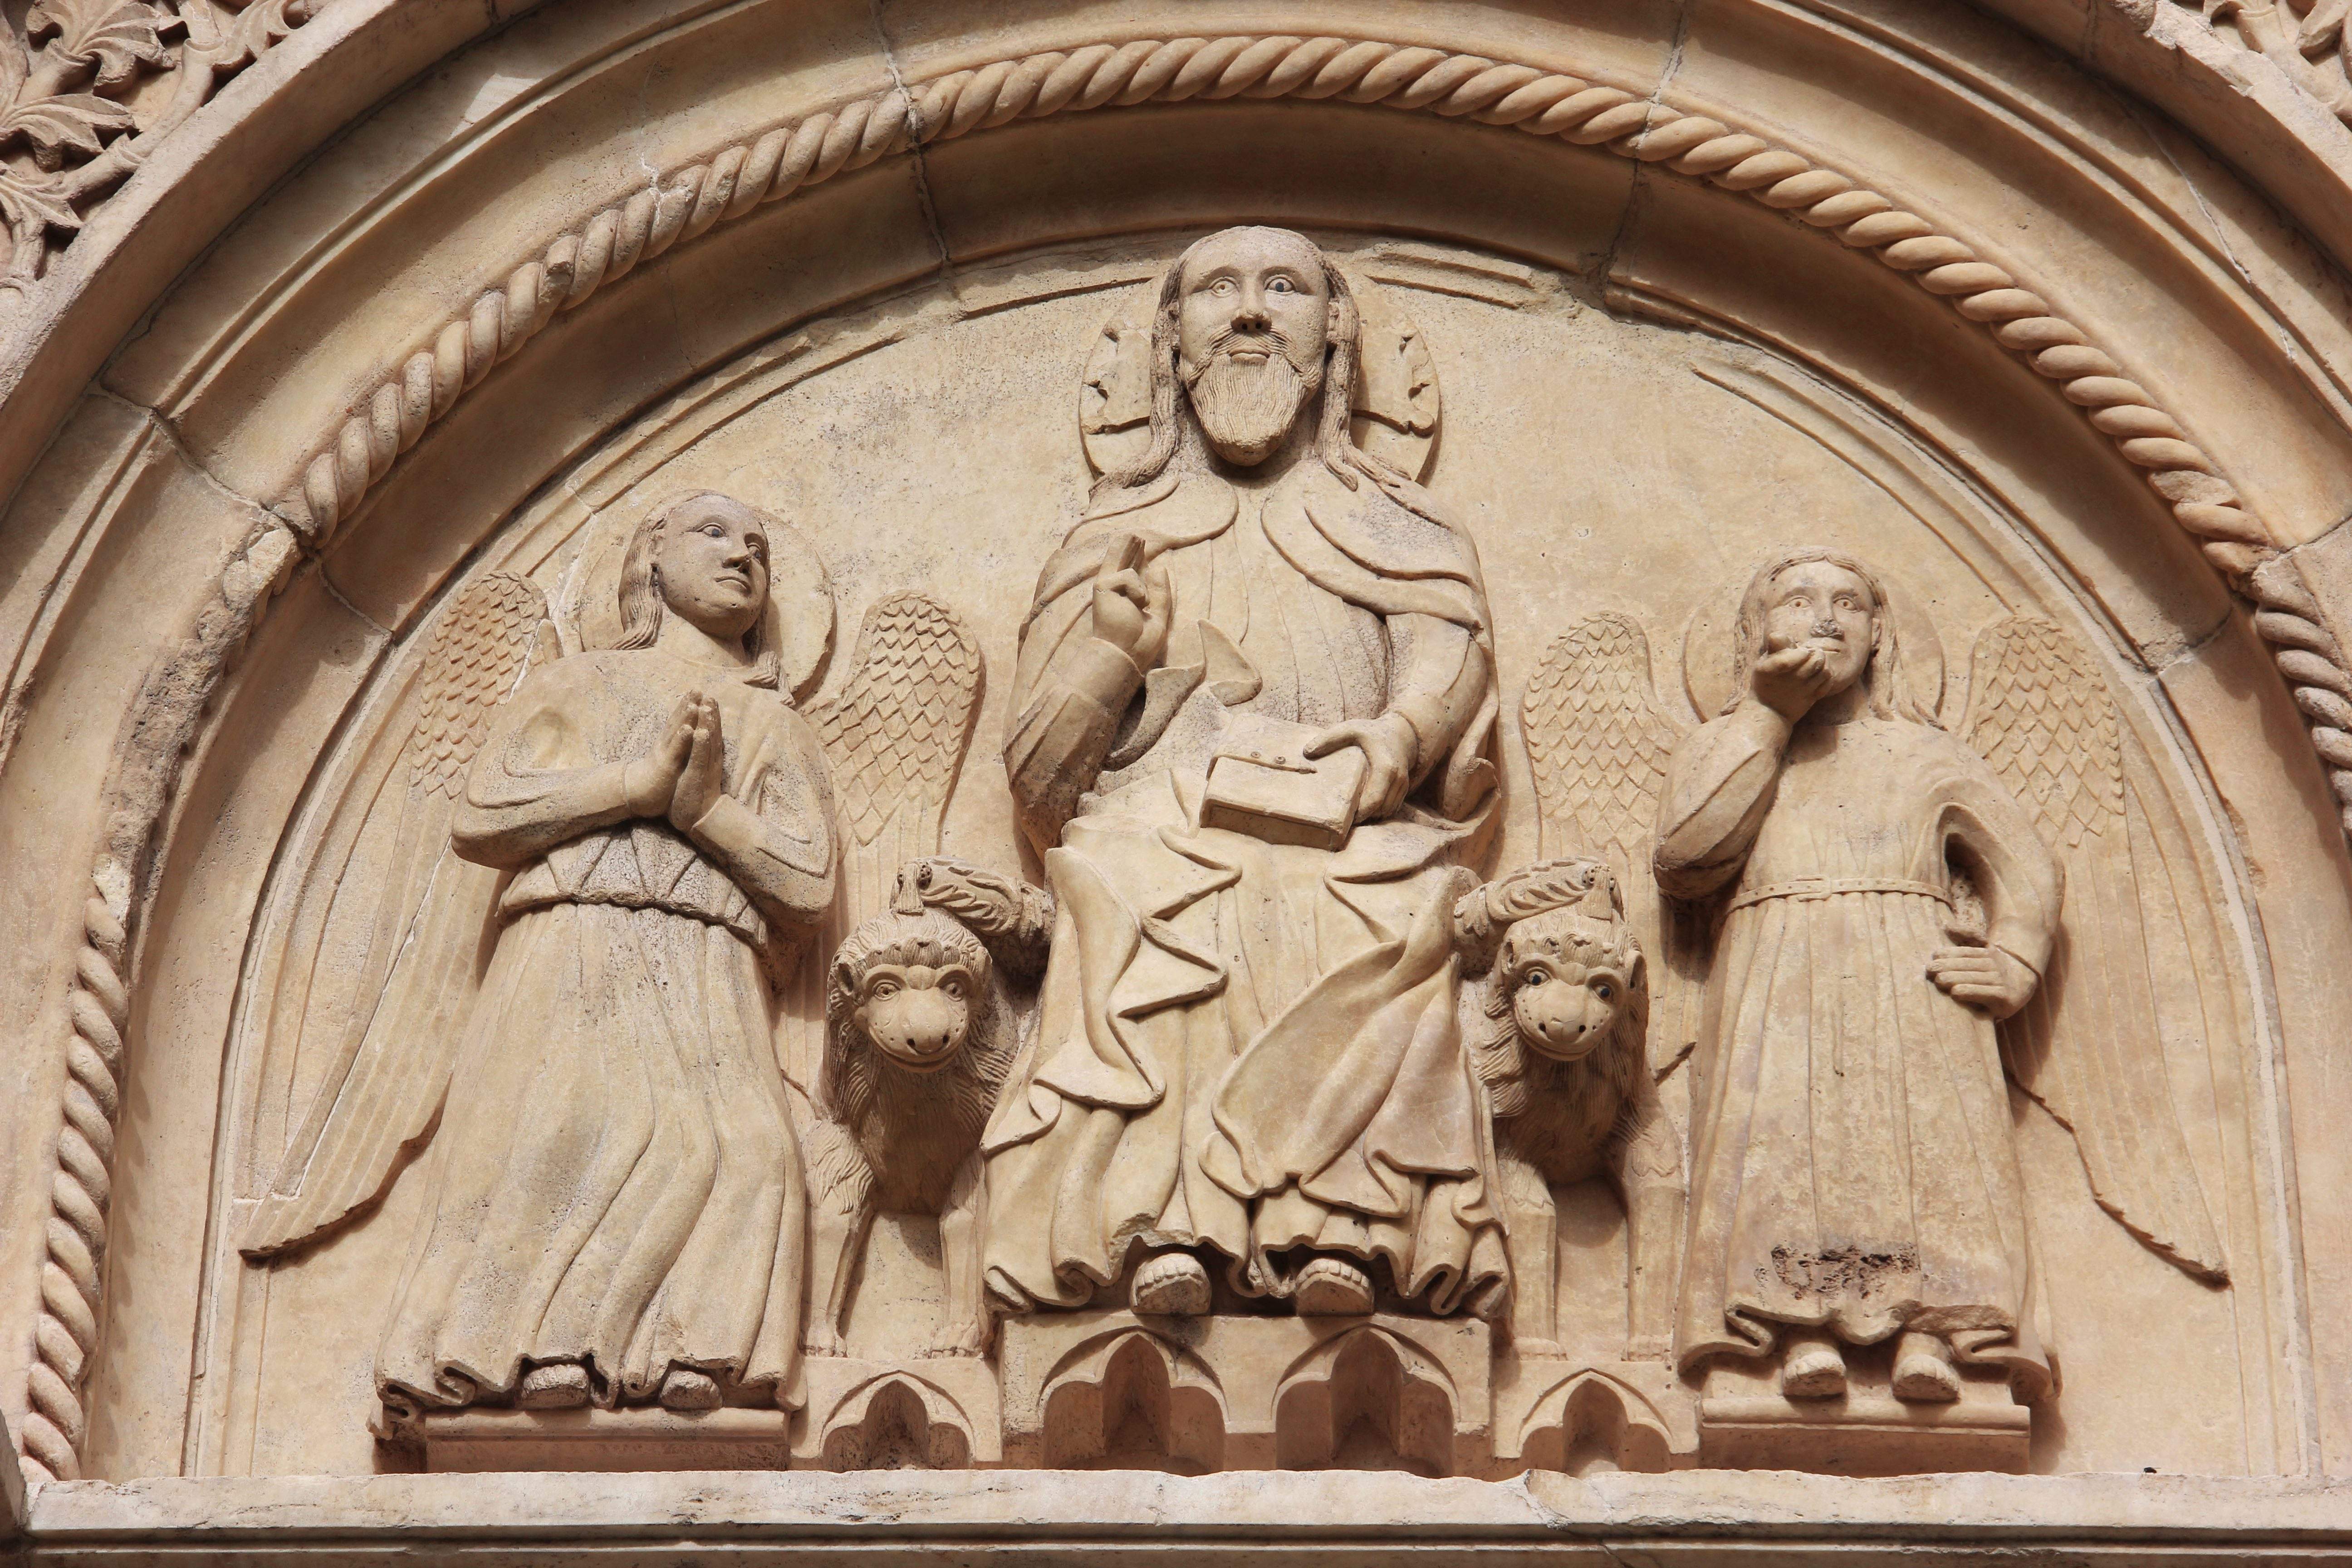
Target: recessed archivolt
[{"x": 355, "y": 453}]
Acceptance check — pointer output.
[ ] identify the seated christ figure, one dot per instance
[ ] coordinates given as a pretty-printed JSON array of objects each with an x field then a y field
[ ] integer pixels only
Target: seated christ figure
[{"x": 1248, "y": 1068}]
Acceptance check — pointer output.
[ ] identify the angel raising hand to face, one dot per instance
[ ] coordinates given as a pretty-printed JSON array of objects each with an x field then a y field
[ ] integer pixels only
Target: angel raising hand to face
[{"x": 1852, "y": 1174}]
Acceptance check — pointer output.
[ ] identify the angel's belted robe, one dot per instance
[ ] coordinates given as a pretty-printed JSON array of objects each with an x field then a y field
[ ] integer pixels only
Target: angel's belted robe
[
  {"x": 616, "y": 1179},
  {"x": 1247, "y": 1047},
  {"x": 1851, "y": 1160}
]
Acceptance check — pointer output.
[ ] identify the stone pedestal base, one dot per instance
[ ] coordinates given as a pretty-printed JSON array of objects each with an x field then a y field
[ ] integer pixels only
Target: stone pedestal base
[
  {"x": 1108, "y": 1389},
  {"x": 1745, "y": 1423},
  {"x": 592, "y": 1440}
]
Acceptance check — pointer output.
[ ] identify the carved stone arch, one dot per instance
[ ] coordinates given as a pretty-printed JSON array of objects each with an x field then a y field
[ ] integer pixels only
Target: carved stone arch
[
  {"x": 897, "y": 1422},
  {"x": 1367, "y": 1398},
  {"x": 1130, "y": 1399},
  {"x": 299, "y": 415},
  {"x": 1588, "y": 1422}
]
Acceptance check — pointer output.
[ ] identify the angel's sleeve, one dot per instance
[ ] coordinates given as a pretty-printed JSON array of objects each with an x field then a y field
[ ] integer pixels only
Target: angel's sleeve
[
  {"x": 778, "y": 848},
  {"x": 2013, "y": 871},
  {"x": 1069, "y": 690},
  {"x": 1718, "y": 788},
  {"x": 523, "y": 795}
]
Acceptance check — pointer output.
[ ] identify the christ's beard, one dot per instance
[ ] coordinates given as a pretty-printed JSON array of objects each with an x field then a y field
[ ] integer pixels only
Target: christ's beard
[{"x": 1246, "y": 409}]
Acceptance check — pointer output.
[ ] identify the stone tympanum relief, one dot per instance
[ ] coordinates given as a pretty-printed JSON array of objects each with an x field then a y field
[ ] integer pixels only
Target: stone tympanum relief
[{"x": 1257, "y": 1071}]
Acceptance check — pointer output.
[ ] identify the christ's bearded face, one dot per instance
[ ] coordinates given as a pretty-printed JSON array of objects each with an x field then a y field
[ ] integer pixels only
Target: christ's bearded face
[{"x": 1255, "y": 319}]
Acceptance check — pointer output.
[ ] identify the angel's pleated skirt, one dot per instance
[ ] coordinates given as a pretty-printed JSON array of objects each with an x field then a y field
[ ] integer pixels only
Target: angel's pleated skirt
[
  {"x": 615, "y": 1180},
  {"x": 1851, "y": 1164}
]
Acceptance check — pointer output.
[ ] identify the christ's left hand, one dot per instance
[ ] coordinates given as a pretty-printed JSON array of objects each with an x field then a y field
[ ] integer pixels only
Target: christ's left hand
[{"x": 1388, "y": 744}]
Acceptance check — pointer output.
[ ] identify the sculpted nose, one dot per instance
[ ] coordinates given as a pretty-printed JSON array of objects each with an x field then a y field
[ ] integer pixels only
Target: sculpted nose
[
  {"x": 932, "y": 1026},
  {"x": 1252, "y": 311}
]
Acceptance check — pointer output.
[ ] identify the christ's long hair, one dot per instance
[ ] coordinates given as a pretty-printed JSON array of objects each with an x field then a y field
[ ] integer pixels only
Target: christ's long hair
[
  {"x": 641, "y": 607},
  {"x": 1885, "y": 672},
  {"x": 1333, "y": 443}
]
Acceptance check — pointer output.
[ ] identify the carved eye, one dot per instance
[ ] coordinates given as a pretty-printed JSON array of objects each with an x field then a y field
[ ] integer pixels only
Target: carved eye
[
  {"x": 953, "y": 986},
  {"x": 1281, "y": 286},
  {"x": 1535, "y": 977},
  {"x": 886, "y": 986},
  {"x": 1603, "y": 990},
  {"x": 1222, "y": 288}
]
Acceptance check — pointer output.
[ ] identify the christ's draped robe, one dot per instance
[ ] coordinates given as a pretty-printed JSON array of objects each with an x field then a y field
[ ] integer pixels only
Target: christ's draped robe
[{"x": 1248, "y": 1047}]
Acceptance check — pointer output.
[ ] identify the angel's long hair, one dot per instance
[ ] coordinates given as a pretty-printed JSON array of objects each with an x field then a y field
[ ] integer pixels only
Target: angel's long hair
[
  {"x": 1333, "y": 443},
  {"x": 1884, "y": 674},
  {"x": 643, "y": 608}
]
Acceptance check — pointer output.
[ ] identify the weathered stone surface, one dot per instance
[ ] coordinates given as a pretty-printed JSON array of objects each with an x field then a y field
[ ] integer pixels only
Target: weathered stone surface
[{"x": 1400, "y": 757}]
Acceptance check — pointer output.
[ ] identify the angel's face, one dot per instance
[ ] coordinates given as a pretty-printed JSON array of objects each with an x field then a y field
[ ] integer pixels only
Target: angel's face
[
  {"x": 713, "y": 565},
  {"x": 1820, "y": 604}
]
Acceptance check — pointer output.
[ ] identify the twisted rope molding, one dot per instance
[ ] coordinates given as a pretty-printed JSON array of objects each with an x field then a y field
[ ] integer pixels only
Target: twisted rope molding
[{"x": 362, "y": 449}]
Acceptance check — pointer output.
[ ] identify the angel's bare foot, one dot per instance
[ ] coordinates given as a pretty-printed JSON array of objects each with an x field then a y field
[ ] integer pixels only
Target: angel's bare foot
[
  {"x": 1172, "y": 1285},
  {"x": 1812, "y": 1366},
  {"x": 1924, "y": 1372},
  {"x": 686, "y": 1389},
  {"x": 1333, "y": 1287},
  {"x": 559, "y": 1385}
]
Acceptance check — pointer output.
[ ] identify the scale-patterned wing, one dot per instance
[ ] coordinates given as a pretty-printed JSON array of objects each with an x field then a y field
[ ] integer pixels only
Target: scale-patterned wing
[
  {"x": 390, "y": 1068},
  {"x": 895, "y": 737},
  {"x": 1598, "y": 740},
  {"x": 2090, "y": 1045}
]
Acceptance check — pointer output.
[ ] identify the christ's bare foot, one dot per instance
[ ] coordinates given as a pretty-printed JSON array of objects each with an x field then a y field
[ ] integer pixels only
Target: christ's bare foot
[
  {"x": 1333, "y": 1287},
  {"x": 1923, "y": 1373},
  {"x": 1811, "y": 1367},
  {"x": 1172, "y": 1285},
  {"x": 560, "y": 1386},
  {"x": 686, "y": 1389}
]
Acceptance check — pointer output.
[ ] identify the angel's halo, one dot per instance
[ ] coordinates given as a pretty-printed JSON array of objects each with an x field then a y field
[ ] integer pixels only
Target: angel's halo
[
  {"x": 800, "y": 618},
  {"x": 1709, "y": 654}
]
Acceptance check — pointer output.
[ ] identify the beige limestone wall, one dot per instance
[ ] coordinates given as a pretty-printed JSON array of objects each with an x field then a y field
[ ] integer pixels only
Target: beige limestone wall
[{"x": 1647, "y": 378}]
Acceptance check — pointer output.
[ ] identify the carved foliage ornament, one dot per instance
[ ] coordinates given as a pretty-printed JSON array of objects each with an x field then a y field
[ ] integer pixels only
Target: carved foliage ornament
[{"x": 78, "y": 113}]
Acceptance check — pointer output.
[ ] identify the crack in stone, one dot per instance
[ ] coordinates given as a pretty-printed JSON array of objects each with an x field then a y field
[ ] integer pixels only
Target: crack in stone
[
  {"x": 914, "y": 143},
  {"x": 1634, "y": 184}
]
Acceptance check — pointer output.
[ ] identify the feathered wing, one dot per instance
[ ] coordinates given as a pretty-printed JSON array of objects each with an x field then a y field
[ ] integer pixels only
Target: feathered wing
[
  {"x": 2090, "y": 1045},
  {"x": 895, "y": 740},
  {"x": 390, "y": 1068},
  {"x": 1598, "y": 740}
]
